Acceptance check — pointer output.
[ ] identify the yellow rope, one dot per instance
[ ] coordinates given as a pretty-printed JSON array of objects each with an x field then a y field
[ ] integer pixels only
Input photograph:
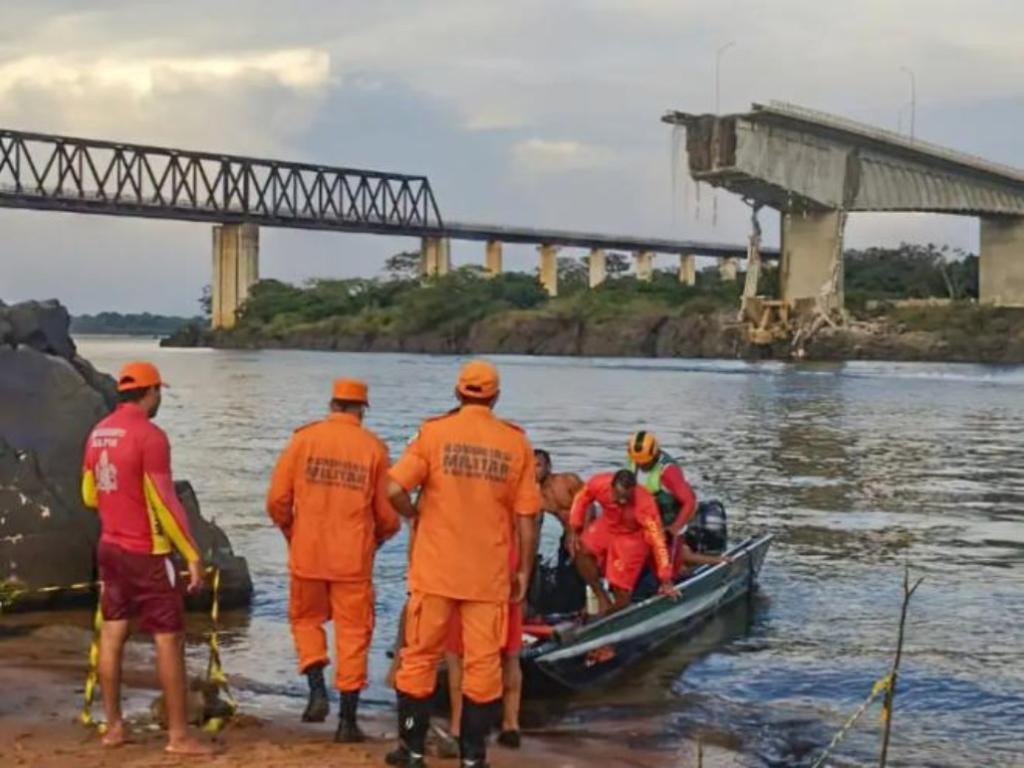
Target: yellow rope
[
  {"x": 85, "y": 718},
  {"x": 214, "y": 669},
  {"x": 881, "y": 686}
]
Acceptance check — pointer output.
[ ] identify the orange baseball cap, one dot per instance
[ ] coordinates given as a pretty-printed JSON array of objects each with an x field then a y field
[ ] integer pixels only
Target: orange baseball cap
[
  {"x": 351, "y": 390},
  {"x": 478, "y": 378},
  {"x": 138, "y": 375}
]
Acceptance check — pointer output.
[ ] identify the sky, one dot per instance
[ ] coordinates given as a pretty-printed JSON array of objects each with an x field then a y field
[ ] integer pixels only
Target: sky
[{"x": 525, "y": 113}]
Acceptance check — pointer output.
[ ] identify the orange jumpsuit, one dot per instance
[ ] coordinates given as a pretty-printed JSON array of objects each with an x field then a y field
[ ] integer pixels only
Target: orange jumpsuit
[
  {"x": 476, "y": 474},
  {"x": 328, "y": 494}
]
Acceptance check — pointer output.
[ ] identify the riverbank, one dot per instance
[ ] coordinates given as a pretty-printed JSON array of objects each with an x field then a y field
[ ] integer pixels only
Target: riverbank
[
  {"x": 42, "y": 667},
  {"x": 962, "y": 332}
]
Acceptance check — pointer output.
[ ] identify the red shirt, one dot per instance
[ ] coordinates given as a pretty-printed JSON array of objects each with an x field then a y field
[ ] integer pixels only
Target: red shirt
[
  {"x": 639, "y": 517},
  {"x": 127, "y": 477}
]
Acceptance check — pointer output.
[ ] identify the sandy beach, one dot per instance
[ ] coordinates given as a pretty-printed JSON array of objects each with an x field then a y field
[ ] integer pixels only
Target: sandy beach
[{"x": 43, "y": 666}]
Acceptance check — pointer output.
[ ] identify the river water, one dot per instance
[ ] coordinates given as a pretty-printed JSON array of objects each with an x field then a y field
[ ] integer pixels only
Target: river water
[{"x": 858, "y": 468}]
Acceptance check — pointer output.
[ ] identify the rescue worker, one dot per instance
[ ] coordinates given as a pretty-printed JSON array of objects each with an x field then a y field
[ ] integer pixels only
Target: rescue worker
[
  {"x": 126, "y": 476},
  {"x": 660, "y": 474},
  {"x": 328, "y": 495},
  {"x": 620, "y": 540},
  {"x": 478, "y": 497}
]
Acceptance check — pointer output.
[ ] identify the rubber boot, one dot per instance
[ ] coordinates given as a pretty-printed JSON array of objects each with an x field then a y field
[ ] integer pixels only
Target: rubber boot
[
  {"x": 477, "y": 721},
  {"x": 348, "y": 729},
  {"x": 413, "y": 723},
  {"x": 319, "y": 705}
]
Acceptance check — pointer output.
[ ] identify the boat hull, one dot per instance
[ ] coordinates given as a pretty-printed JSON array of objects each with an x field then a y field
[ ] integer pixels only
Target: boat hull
[{"x": 592, "y": 654}]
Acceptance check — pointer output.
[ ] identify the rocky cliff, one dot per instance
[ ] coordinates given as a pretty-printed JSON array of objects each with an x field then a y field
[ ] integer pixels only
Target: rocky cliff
[{"x": 50, "y": 398}]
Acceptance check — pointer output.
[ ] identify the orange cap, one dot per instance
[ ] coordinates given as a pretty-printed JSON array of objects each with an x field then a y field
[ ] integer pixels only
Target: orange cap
[
  {"x": 138, "y": 375},
  {"x": 351, "y": 390},
  {"x": 478, "y": 378}
]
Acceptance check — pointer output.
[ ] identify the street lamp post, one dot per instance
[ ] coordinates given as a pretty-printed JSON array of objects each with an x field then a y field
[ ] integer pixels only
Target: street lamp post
[
  {"x": 718, "y": 65},
  {"x": 913, "y": 98}
]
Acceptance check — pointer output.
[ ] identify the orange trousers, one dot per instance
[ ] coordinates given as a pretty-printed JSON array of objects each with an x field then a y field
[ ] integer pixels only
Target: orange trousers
[
  {"x": 311, "y": 604},
  {"x": 484, "y": 626}
]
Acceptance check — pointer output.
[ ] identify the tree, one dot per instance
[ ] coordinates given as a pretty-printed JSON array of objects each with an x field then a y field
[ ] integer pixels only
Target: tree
[
  {"x": 206, "y": 301},
  {"x": 403, "y": 266},
  {"x": 617, "y": 264},
  {"x": 573, "y": 275}
]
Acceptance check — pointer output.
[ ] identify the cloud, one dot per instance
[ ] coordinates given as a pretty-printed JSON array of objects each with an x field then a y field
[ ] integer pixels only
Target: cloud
[
  {"x": 141, "y": 77},
  {"x": 547, "y": 156}
]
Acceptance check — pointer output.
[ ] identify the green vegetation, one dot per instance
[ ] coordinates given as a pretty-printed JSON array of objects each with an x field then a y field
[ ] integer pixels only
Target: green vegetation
[
  {"x": 467, "y": 310},
  {"x": 143, "y": 324},
  {"x": 909, "y": 272},
  {"x": 401, "y": 305}
]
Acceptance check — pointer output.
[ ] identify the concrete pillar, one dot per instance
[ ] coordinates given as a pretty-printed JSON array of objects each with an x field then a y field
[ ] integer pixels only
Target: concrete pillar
[
  {"x": 1001, "y": 263},
  {"x": 549, "y": 268},
  {"x": 728, "y": 269},
  {"x": 493, "y": 257},
  {"x": 598, "y": 268},
  {"x": 644, "y": 265},
  {"x": 236, "y": 267},
  {"x": 812, "y": 258},
  {"x": 688, "y": 269},
  {"x": 435, "y": 256}
]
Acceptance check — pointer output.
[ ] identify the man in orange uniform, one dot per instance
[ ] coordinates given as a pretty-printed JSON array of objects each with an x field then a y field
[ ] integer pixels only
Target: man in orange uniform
[
  {"x": 328, "y": 495},
  {"x": 127, "y": 476},
  {"x": 478, "y": 493},
  {"x": 620, "y": 539}
]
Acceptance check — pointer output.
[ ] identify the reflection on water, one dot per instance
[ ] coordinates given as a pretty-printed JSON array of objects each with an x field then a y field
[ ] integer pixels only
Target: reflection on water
[{"x": 858, "y": 469}]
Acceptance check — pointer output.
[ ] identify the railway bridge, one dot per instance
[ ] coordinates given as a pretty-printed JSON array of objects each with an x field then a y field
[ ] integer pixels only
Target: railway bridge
[{"x": 238, "y": 195}]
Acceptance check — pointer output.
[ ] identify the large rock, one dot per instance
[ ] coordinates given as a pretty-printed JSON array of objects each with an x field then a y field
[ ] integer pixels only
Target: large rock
[{"x": 49, "y": 401}]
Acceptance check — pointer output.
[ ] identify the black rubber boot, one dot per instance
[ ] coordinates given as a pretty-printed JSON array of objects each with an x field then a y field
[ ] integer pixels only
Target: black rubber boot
[
  {"x": 413, "y": 723},
  {"x": 477, "y": 721},
  {"x": 319, "y": 705},
  {"x": 348, "y": 729}
]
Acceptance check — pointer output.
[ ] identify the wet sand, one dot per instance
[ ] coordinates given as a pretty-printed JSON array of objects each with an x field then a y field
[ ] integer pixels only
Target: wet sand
[{"x": 42, "y": 669}]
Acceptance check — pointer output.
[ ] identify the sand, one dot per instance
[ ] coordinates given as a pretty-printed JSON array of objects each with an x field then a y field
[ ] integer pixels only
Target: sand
[{"x": 42, "y": 670}]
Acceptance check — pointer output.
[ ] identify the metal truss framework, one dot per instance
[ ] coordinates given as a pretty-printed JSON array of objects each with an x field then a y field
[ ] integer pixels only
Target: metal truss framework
[{"x": 45, "y": 172}]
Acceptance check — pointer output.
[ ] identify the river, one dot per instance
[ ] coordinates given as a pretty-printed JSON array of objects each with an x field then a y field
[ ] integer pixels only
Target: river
[{"x": 858, "y": 468}]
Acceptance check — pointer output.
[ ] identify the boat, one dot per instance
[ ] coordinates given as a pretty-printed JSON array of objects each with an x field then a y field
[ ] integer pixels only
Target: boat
[{"x": 573, "y": 656}]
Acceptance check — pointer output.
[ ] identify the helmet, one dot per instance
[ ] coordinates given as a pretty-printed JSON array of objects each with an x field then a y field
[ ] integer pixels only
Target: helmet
[{"x": 643, "y": 448}]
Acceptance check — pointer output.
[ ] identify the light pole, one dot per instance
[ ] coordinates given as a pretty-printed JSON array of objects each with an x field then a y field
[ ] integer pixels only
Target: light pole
[
  {"x": 718, "y": 65},
  {"x": 913, "y": 98}
]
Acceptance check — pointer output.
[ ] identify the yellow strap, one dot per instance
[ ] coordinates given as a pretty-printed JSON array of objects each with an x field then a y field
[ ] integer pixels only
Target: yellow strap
[
  {"x": 214, "y": 669},
  {"x": 85, "y": 718}
]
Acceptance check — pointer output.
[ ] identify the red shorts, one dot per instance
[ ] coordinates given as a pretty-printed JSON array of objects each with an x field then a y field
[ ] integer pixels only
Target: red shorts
[
  {"x": 622, "y": 555},
  {"x": 140, "y": 585},
  {"x": 513, "y": 639}
]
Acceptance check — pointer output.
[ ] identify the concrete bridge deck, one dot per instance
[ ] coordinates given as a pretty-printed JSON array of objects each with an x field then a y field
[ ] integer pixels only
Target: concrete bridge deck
[{"x": 816, "y": 168}]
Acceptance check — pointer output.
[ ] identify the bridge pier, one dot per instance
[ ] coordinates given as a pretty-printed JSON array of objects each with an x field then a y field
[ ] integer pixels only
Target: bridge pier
[
  {"x": 549, "y": 268},
  {"x": 597, "y": 265},
  {"x": 728, "y": 269},
  {"x": 812, "y": 258},
  {"x": 644, "y": 261},
  {"x": 1001, "y": 262},
  {"x": 236, "y": 267},
  {"x": 493, "y": 258},
  {"x": 435, "y": 256},
  {"x": 688, "y": 269}
]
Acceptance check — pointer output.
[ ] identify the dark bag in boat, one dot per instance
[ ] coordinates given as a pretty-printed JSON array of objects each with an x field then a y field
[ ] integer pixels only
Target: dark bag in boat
[
  {"x": 707, "y": 531},
  {"x": 556, "y": 587}
]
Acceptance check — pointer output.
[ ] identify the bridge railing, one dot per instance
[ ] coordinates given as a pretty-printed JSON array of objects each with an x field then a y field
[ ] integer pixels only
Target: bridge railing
[{"x": 87, "y": 176}]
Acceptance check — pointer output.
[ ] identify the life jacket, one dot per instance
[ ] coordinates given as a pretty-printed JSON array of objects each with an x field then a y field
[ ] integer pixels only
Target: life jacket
[{"x": 668, "y": 505}]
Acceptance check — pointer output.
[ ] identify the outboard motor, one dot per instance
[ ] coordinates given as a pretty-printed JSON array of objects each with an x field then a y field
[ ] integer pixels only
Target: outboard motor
[{"x": 707, "y": 531}]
